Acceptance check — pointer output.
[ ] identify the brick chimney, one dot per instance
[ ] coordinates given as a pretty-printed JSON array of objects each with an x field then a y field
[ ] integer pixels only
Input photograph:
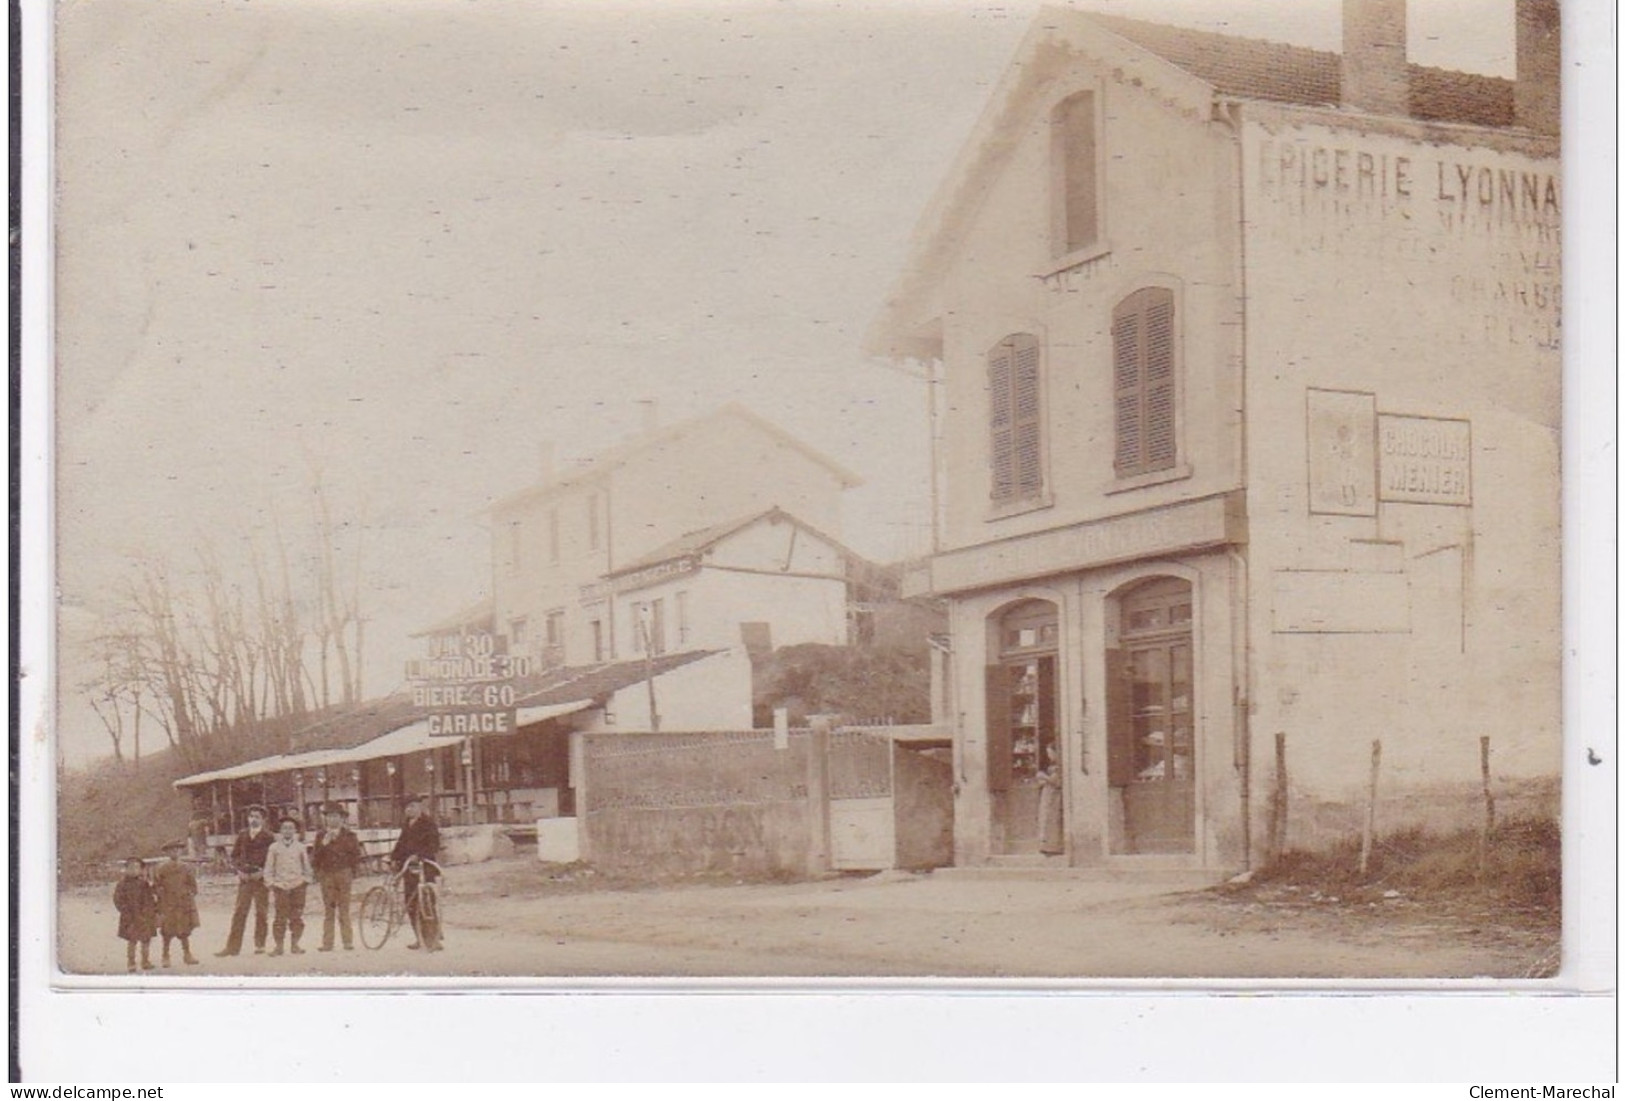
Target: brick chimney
[
  {"x": 1375, "y": 77},
  {"x": 1537, "y": 97}
]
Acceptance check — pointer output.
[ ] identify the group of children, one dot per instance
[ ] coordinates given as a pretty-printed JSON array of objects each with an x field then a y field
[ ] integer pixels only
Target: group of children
[
  {"x": 164, "y": 903},
  {"x": 270, "y": 868}
]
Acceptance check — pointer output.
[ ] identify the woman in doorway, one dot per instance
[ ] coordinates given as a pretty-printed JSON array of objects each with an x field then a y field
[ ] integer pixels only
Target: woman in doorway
[{"x": 1050, "y": 839}]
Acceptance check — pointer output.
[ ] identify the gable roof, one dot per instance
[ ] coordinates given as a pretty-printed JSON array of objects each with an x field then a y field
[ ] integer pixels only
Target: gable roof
[
  {"x": 1188, "y": 69},
  {"x": 620, "y": 454},
  {"x": 704, "y": 539}
]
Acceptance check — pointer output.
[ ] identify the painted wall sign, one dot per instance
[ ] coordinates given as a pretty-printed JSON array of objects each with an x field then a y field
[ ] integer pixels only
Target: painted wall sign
[
  {"x": 1342, "y": 430},
  {"x": 1477, "y": 229},
  {"x": 678, "y": 567},
  {"x": 467, "y": 684},
  {"x": 1424, "y": 460}
]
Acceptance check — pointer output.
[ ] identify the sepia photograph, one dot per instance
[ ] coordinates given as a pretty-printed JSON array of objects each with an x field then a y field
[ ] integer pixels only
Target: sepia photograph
[{"x": 1019, "y": 494}]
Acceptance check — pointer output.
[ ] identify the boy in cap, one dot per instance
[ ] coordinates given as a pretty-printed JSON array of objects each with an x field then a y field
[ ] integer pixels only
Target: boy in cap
[
  {"x": 248, "y": 857},
  {"x": 287, "y": 871},
  {"x": 420, "y": 838},
  {"x": 176, "y": 887},
  {"x": 335, "y": 858},
  {"x": 137, "y": 912}
]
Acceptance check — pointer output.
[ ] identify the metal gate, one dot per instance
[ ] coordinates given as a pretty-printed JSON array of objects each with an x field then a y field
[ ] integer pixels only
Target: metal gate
[{"x": 862, "y": 815}]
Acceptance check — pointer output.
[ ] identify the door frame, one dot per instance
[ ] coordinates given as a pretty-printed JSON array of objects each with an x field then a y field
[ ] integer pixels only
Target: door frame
[
  {"x": 1001, "y": 657},
  {"x": 1118, "y": 644}
]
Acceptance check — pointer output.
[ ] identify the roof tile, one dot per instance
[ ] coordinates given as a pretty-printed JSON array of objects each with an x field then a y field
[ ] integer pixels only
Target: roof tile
[{"x": 1252, "y": 68}]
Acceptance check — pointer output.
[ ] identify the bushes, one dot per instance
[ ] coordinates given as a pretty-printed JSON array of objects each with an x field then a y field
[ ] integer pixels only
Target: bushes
[
  {"x": 861, "y": 683},
  {"x": 1522, "y": 867},
  {"x": 111, "y": 811}
]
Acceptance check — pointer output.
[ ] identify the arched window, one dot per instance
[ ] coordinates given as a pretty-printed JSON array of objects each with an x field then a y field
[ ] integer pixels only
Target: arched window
[
  {"x": 1143, "y": 378},
  {"x": 1015, "y": 412},
  {"x": 1077, "y": 200}
]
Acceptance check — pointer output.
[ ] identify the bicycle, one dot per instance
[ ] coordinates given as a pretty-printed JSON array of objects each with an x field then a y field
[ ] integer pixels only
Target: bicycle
[{"x": 383, "y": 908}]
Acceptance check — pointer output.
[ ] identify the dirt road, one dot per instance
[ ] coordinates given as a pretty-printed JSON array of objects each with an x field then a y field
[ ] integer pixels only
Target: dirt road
[{"x": 507, "y": 919}]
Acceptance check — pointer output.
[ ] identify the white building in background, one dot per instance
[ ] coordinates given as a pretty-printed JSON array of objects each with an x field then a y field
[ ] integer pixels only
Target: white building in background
[
  {"x": 1250, "y": 365},
  {"x": 553, "y": 543},
  {"x": 768, "y": 579}
]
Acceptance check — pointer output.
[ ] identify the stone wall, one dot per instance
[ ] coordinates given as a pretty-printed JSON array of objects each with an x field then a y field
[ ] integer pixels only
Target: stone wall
[{"x": 717, "y": 801}]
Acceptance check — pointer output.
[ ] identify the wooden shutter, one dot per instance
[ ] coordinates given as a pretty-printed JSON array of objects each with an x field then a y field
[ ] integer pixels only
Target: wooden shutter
[
  {"x": 1001, "y": 412},
  {"x": 1047, "y": 732},
  {"x": 1143, "y": 381},
  {"x": 1027, "y": 443},
  {"x": 999, "y": 685},
  {"x": 1159, "y": 382},
  {"x": 1119, "y": 721},
  {"x": 1016, "y": 415},
  {"x": 1126, "y": 388}
]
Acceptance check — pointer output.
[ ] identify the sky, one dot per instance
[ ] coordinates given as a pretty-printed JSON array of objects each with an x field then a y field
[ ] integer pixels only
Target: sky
[{"x": 403, "y": 246}]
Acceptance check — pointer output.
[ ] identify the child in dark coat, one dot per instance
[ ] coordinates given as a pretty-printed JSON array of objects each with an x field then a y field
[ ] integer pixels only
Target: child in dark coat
[
  {"x": 176, "y": 888},
  {"x": 137, "y": 912}
]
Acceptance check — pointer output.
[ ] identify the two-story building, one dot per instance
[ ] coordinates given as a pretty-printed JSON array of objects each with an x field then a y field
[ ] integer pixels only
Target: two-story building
[
  {"x": 768, "y": 579},
  {"x": 555, "y": 542},
  {"x": 1249, "y": 363}
]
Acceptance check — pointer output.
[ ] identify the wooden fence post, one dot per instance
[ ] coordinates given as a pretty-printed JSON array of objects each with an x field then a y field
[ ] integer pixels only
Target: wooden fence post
[
  {"x": 1370, "y": 808},
  {"x": 818, "y": 844},
  {"x": 1278, "y": 804},
  {"x": 1489, "y": 806}
]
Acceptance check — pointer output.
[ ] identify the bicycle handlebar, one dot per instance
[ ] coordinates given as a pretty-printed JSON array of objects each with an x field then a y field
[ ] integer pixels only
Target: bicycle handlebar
[{"x": 414, "y": 862}]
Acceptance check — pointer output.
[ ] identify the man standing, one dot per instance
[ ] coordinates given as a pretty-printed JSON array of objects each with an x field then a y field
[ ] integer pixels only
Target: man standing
[
  {"x": 287, "y": 870},
  {"x": 248, "y": 857},
  {"x": 335, "y": 857},
  {"x": 420, "y": 838}
]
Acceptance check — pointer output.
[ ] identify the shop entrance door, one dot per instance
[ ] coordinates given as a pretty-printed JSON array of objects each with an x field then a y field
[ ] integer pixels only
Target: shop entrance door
[
  {"x": 1023, "y": 764},
  {"x": 1152, "y": 735}
]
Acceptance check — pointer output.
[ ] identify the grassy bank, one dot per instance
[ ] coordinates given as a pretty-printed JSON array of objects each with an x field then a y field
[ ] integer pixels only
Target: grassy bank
[
  {"x": 1520, "y": 867},
  {"x": 113, "y": 810}
]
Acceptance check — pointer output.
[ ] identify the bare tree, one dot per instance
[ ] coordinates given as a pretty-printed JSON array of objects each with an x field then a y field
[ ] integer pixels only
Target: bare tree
[
  {"x": 339, "y": 605},
  {"x": 214, "y": 663}
]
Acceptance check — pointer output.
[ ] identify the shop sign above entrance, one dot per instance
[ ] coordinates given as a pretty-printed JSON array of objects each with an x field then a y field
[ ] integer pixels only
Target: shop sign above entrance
[
  {"x": 467, "y": 684},
  {"x": 1189, "y": 525}
]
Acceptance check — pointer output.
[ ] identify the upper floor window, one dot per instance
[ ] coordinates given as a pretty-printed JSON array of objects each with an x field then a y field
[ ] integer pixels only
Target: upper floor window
[
  {"x": 554, "y": 627},
  {"x": 1076, "y": 174},
  {"x": 516, "y": 542},
  {"x": 553, "y": 536},
  {"x": 649, "y": 627},
  {"x": 1016, "y": 418},
  {"x": 1143, "y": 381},
  {"x": 592, "y": 521},
  {"x": 682, "y": 618}
]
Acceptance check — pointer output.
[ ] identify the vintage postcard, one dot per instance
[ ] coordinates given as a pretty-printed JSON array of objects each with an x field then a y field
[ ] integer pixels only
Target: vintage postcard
[{"x": 1022, "y": 494}]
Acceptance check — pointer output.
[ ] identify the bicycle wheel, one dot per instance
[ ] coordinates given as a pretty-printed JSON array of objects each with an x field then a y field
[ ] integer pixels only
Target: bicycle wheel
[
  {"x": 377, "y": 918},
  {"x": 429, "y": 916}
]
